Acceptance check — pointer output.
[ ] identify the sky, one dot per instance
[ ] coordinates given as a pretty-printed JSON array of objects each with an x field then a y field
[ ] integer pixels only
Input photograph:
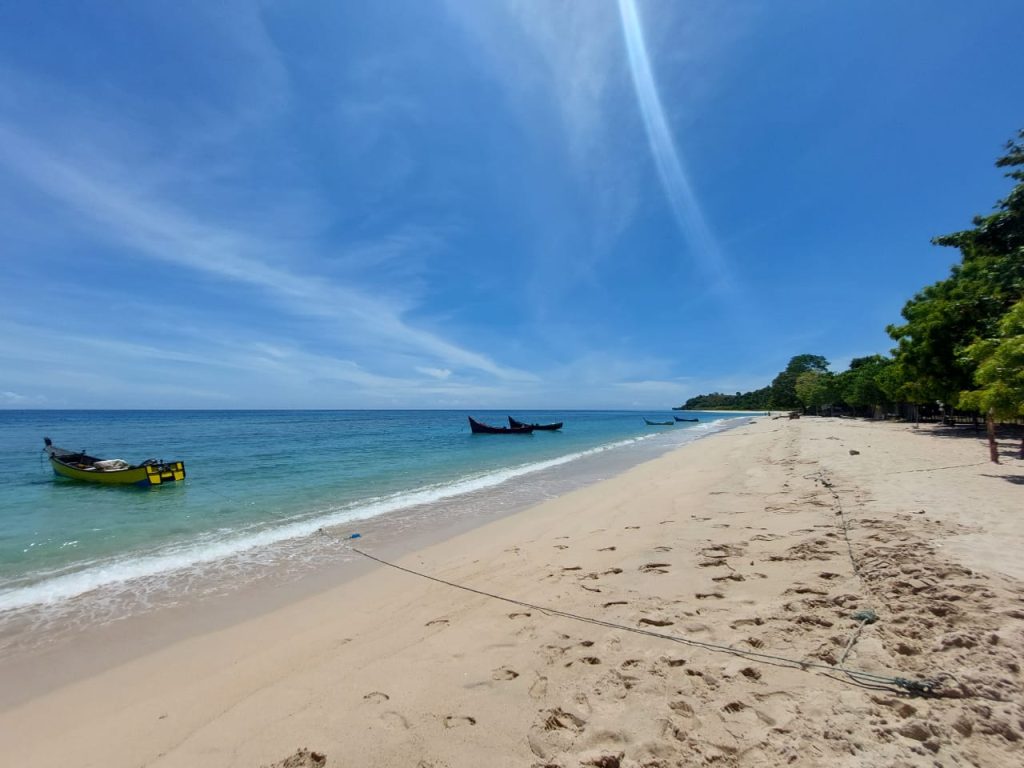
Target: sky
[{"x": 463, "y": 204}]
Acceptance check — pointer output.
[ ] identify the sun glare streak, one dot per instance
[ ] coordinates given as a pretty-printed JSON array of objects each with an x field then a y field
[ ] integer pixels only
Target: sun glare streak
[{"x": 678, "y": 189}]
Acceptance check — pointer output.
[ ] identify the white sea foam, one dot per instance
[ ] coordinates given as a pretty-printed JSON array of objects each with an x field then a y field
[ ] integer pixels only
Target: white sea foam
[{"x": 54, "y": 587}]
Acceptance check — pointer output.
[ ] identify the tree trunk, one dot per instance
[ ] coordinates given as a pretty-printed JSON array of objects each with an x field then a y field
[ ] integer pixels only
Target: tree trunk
[{"x": 993, "y": 449}]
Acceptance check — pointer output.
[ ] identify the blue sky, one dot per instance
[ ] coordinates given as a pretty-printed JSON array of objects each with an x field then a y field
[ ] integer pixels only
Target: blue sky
[{"x": 465, "y": 204}]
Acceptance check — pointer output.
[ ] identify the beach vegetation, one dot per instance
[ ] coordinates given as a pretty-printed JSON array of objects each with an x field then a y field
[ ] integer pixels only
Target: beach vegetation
[
  {"x": 960, "y": 345},
  {"x": 869, "y": 383},
  {"x": 999, "y": 375},
  {"x": 783, "y": 386},
  {"x": 816, "y": 389},
  {"x": 947, "y": 317}
]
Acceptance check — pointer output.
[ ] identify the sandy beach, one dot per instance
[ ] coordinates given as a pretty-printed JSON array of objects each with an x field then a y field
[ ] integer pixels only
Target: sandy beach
[{"x": 743, "y": 559}]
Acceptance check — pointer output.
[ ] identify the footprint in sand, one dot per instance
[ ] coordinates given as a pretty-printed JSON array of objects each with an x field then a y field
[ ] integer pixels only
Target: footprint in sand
[
  {"x": 655, "y": 568},
  {"x": 590, "y": 589},
  {"x": 394, "y": 719},
  {"x": 539, "y": 687},
  {"x": 632, "y": 527},
  {"x": 573, "y": 568},
  {"x": 663, "y": 549},
  {"x": 706, "y": 595},
  {"x": 558, "y": 719},
  {"x": 376, "y": 697},
  {"x": 439, "y": 622},
  {"x": 302, "y": 758},
  {"x": 517, "y": 615},
  {"x": 504, "y": 673},
  {"x": 454, "y": 721},
  {"x": 657, "y": 622},
  {"x": 606, "y": 549},
  {"x": 680, "y": 707},
  {"x": 615, "y": 602},
  {"x": 561, "y": 546},
  {"x": 611, "y": 572}
]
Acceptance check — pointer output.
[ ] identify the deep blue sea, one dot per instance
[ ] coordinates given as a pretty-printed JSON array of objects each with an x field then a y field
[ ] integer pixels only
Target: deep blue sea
[{"x": 260, "y": 481}]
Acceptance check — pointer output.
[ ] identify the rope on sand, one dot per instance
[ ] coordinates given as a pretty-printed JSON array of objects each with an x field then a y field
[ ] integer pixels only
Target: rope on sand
[{"x": 921, "y": 687}]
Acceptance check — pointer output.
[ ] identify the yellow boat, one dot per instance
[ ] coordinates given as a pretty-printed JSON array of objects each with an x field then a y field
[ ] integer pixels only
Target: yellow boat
[{"x": 80, "y": 466}]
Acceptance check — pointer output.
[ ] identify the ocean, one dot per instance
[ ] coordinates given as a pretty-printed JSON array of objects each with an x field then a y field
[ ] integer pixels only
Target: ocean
[{"x": 263, "y": 486}]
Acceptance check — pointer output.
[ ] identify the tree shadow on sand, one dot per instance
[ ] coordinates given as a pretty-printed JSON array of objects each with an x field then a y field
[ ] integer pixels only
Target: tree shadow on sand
[
  {"x": 1015, "y": 479},
  {"x": 1008, "y": 437}
]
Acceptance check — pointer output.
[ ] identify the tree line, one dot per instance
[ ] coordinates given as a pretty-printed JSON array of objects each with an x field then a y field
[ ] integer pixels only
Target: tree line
[{"x": 960, "y": 345}]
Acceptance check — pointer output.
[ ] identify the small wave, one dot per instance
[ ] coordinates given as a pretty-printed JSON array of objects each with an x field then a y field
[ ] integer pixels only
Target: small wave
[{"x": 50, "y": 588}]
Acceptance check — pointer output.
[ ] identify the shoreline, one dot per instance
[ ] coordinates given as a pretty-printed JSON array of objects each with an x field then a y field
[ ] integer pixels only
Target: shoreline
[
  {"x": 728, "y": 544},
  {"x": 147, "y": 565},
  {"x": 182, "y": 609}
]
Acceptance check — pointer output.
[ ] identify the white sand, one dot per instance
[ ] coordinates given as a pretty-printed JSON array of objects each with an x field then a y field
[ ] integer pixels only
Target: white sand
[{"x": 734, "y": 540}]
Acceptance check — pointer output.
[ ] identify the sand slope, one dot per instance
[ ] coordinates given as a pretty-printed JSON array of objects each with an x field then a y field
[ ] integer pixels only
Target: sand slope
[{"x": 766, "y": 539}]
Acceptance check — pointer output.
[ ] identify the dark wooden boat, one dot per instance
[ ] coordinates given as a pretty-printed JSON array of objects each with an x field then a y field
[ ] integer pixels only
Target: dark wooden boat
[
  {"x": 543, "y": 427},
  {"x": 486, "y": 429},
  {"x": 680, "y": 418},
  {"x": 650, "y": 423},
  {"x": 81, "y": 466}
]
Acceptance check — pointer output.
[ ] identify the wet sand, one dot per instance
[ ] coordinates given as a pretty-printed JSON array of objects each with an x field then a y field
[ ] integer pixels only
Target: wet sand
[{"x": 769, "y": 539}]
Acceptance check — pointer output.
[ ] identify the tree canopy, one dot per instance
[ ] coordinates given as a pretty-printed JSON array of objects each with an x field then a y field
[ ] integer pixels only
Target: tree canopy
[
  {"x": 961, "y": 342},
  {"x": 945, "y": 318}
]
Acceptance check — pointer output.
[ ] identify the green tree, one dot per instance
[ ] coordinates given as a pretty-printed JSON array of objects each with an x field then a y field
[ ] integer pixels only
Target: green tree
[
  {"x": 1000, "y": 375},
  {"x": 948, "y": 316},
  {"x": 864, "y": 384},
  {"x": 783, "y": 386},
  {"x": 815, "y": 389}
]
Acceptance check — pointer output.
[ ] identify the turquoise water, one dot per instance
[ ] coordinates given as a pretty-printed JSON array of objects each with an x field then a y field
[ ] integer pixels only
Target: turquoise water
[{"x": 257, "y": 480}]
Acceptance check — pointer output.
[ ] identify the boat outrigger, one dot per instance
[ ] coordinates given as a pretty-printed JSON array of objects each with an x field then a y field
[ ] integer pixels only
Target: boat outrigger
[{"x": 81, "y": 466}]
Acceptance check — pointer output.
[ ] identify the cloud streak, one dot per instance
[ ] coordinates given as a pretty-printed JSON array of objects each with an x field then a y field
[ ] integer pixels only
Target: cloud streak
[
  {"x": 678, "y": 189},
  {"x": 176, "y": 238}
]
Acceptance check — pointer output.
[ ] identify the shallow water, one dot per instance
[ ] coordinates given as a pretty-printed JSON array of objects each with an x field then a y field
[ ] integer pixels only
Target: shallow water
[{"x": 260, "y": 485}]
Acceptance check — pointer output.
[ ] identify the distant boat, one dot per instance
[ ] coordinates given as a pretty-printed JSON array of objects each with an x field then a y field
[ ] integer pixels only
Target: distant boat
[
  {"x": 543, "y": 427},
  {"x": 678, "y": 407},
  {"x": 680, "y": 418},
  {"x": 81, "y": 466},
  {"x": 650, "y": 423},
  {"x": 487, "y": 429}
]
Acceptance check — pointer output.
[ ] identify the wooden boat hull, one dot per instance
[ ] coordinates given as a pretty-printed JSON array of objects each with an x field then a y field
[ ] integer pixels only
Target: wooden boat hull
[
  {"x": 543, "y": 427},
  {"x": 677, "y": 418},
  {"x": 89, "y": 469},
  {"x": 146, "y": 476},
  {"x": 478, "y": 428},
  {"x": 650, "y": 423}
]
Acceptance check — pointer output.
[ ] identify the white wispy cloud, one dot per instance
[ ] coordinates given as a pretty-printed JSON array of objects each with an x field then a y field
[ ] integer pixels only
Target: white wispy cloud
[
  {"x": 560, "y": 68},
  {"x": 158, "y": 230},
  {"x": 437, "y": 373},
  {"x": 668, "y": 159}
]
